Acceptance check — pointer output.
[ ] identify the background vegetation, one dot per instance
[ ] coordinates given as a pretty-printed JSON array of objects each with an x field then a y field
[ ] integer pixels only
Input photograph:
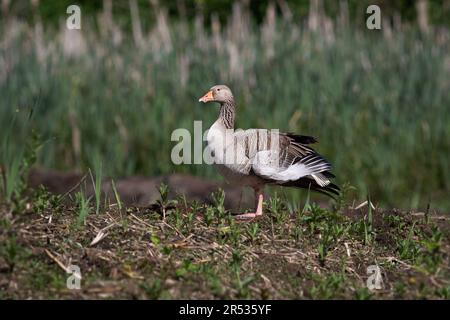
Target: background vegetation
[{"x": 115, "y": 90}]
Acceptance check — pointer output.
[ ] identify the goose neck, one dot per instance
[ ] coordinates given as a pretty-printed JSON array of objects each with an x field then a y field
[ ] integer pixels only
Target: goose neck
[{"x": 227, "y": 113}]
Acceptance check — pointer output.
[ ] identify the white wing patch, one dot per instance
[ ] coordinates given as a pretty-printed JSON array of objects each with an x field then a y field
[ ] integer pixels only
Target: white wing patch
[
  {"x": 321, "y": 179},
  {"x": 267, "y": 165}
]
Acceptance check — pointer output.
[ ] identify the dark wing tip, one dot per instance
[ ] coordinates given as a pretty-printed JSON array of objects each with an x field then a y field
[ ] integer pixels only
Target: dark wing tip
[
  {"x": 331, "y": 190},
  {"x": 302, "y": 139}
]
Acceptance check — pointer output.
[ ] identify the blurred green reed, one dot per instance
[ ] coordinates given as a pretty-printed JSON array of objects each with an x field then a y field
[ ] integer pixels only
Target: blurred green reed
[{"x": 378, "y": 101}]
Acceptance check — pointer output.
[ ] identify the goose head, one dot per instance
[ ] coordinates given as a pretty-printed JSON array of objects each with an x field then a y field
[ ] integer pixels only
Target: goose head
[{"x": 219, "y": 93}]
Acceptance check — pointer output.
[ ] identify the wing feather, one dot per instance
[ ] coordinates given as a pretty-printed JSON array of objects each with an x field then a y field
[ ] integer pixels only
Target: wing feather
[{"x": 281, "y": 158}]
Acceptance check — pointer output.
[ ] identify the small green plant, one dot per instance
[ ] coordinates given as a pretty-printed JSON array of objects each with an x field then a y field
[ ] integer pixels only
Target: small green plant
[
  {"x": 326, "y": 287},
  {"x": 408, "y": 248},
  {"x": 83, "y": 209},
  {"x": 10, "y": 250},
  {"x": 324, "y": 245},
  {"x": 124, "y": 223},
  {"x": 97, "y": 184},
  {"x": 117, "y": 196},
  {"x": 155, "y": 240},
  {"x": 341, "y": 200},
  {"x": 430, "y": 255},
  {"x": 279, "y": 209},
  {"x": 186, "y": 268},
  {"x": 209, "y": 215},
  {"x": 278, "y": 212},
  {"x": 443, "y": 293},
  {"x": 42, "y": 276},
  {"x": 297, "y": 232},
  {"x": 164, "y": 201},
  {"x": 307, "y": 206},
  {"x": 241, "y": 284},
  {"x": 395, "y": 221},
  {"x": 179, "y": 219},
  {"x": 212, "y": 278},
  {"x": 189, "y": 218},
  {"x": 275, "y": 205},
  {"x": 218, "y": 198},
  {"x": 236, "y": 260},
  {"x": 44, "y": 200},
  {"x": 400, "y": 289},
  {"x": 433, "y": 242},
  {"x": 234, "y": 233},
  {"x": 362, "y": 294},
  {"x": 252, "y": 231},
  {"x": 195, "y": 207},
  {"x": 152, "y": 289},
  {"x": 182, "y": 199}
]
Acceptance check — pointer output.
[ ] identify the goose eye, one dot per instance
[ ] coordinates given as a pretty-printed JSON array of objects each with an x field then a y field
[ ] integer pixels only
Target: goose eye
[{"x": 218, "y": 89}]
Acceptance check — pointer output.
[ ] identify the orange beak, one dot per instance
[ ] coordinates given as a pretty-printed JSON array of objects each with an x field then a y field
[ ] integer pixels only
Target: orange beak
[{"x": 207, "y": 97}]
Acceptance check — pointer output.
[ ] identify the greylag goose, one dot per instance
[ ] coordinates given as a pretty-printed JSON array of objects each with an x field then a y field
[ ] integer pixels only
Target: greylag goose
[{"x": 256, "y": 157}]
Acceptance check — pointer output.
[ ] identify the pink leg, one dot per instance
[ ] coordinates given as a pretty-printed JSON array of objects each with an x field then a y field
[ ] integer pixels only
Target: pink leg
[{"x": 253, "y": 215}]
